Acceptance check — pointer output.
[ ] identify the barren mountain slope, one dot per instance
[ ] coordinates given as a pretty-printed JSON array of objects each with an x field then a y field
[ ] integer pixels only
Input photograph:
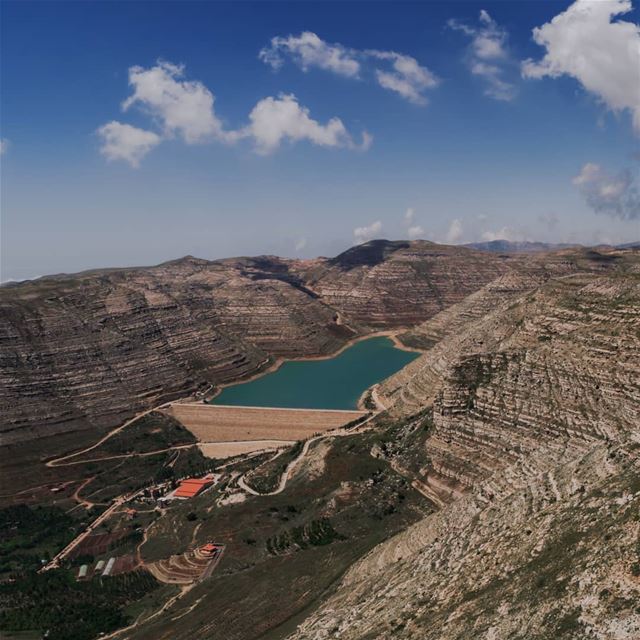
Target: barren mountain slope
[
  {"x": 83, "y": 353},
  {"x": 537, "y": 417},
  {"x": 554, "y": 555},
  {"x": 91, "y": 349},
  {"x": 397, "y": 284},
  {"x": 86, "y": 351}
]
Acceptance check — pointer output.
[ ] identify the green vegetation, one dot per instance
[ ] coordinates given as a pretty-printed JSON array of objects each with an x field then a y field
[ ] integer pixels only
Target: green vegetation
[
  {"x": 31, "y": 534},
  {"x": 267, "y": 476},
  {"x": 116, "y": 477},
  {"x": 55, "y": 603},
  {"x": 415, "y": 340},
  {"x": 336, "y": 507},
  {"x": 315, "y": 533},
  {"x": 368, "y": 401}
]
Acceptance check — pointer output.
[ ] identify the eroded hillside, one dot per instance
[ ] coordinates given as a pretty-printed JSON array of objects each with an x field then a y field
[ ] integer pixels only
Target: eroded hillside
[
  {"x": 86, "y": 351},
  {"x": 497, "y": 496},
  {"x": 534, "y": 460}
]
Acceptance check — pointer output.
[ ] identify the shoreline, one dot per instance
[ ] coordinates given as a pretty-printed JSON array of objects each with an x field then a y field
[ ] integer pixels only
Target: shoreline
[{"x": 392, "y": 334}]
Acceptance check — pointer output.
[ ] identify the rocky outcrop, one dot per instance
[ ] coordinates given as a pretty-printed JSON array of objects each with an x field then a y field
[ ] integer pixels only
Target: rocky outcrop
[
  {"x": 385, "y": 284},
  {"x": 534, "y": 458},
  {"x": 554, "y": 554},
  {"x": 554, "y": 365}
]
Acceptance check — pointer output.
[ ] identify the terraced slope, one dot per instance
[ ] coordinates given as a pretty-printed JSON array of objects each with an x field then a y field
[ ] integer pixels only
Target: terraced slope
[
  {"x": 560, "y": 364},
  {"x": 397, "y": 284},
  {"x": 534, "y": 458},
  {"x": 87, "y": 351}
]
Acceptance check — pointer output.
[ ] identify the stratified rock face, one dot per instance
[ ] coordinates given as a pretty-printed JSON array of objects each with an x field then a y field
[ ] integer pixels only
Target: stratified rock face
[
  {"x": 558, "y": 364},
  {"x": 554, "y": 556},
  {"x": 534, "y": 458},
  {"x": 387, "y": 284},
  {"x": 90, "y": 350}
]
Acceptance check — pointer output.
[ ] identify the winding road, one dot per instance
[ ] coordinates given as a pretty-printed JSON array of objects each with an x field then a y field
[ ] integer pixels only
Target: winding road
[
  {"x": 60, "y": 462},
  {"x": 336, "y": 433}
]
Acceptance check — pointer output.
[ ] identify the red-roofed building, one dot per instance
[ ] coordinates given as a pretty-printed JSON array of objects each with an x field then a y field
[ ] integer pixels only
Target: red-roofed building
[
  {"x": 192, "y": 487},
  {"x": 209, "y": 549}
]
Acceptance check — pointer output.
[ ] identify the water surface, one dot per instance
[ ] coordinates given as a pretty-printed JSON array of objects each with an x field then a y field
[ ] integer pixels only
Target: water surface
[{"x": 335, "y": 383}]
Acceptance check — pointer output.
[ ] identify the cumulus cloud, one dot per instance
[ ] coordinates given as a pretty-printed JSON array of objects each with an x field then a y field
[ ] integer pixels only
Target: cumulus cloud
[
  {"x": 585, "y": 42},
  {"x": 487, "y": 56},
  {"x": 393, "y": 71},
  {"x": 506, "y": 233},
  {"x": 364, "y": 234},
  {"x": 4, "y": 146},
  {"x": 273, "y": 120},
  {"x": 613, "y": 195},
  {"x": 308, "y": 50},
  {"x": 454, "y": 232},
  {"x": 182, "y": 107},
  {"x": 414, "y": 231},
  {"x": 124, "y": 142},
  {"x": 185, "y": 109}
]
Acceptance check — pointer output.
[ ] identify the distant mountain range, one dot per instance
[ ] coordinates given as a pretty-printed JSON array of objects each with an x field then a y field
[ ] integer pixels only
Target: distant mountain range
[{"x": 507, "y": 246}]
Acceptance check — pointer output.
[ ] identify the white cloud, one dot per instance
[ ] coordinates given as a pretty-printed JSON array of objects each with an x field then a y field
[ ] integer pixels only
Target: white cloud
[
  {"x": 182, "y": 107},
  {"x": 415, "y": 231},
  {"x": 613, "y": 195},
  {"x": 408, "y": 78},
  {"x": 4, "y": 146},
  {"x": 604, "y": 56},
  {"x": 506, "y": 233},
  {"x": 300, "y": 244},
  {"x": 364, "y": 234},
  {"x": 399, "y": 73},
  {"x": 273, "y": 120},
  {"x": 308, "y": 50},
  {"x": 124, "y": 142},
  {"x": 455, "y": 231},
  {"x": 488, "y": 57},
  {"x": 185, "y": 108}
]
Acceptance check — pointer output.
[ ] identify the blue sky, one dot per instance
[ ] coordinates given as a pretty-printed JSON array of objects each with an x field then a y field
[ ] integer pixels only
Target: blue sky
[{"x": 467, "y": 141}]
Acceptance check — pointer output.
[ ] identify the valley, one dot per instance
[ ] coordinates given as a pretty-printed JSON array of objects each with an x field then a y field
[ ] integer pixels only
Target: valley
[{"x": 505, "y": 429}]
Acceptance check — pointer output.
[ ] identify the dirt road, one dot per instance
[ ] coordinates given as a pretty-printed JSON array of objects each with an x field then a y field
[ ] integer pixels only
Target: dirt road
[
  {"x": 60, "y": 462},
  {"x": 337, "y": 433},
  {"x": 55, "y": 561}
]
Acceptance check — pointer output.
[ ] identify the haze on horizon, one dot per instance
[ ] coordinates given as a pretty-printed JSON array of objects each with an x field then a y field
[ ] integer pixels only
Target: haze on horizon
[{"x": 134, "y": 133}]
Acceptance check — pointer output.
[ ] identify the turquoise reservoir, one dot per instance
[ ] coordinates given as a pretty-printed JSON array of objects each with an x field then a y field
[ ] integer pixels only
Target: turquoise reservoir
[{"x": 334, "y": 383}]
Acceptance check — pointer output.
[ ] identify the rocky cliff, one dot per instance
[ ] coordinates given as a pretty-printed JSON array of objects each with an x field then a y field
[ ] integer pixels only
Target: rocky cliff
[{"x": 534, "y": 461}]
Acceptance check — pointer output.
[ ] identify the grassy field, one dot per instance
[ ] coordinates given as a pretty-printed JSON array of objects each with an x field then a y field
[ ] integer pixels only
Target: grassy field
[{"x": 213, "y": 423}]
